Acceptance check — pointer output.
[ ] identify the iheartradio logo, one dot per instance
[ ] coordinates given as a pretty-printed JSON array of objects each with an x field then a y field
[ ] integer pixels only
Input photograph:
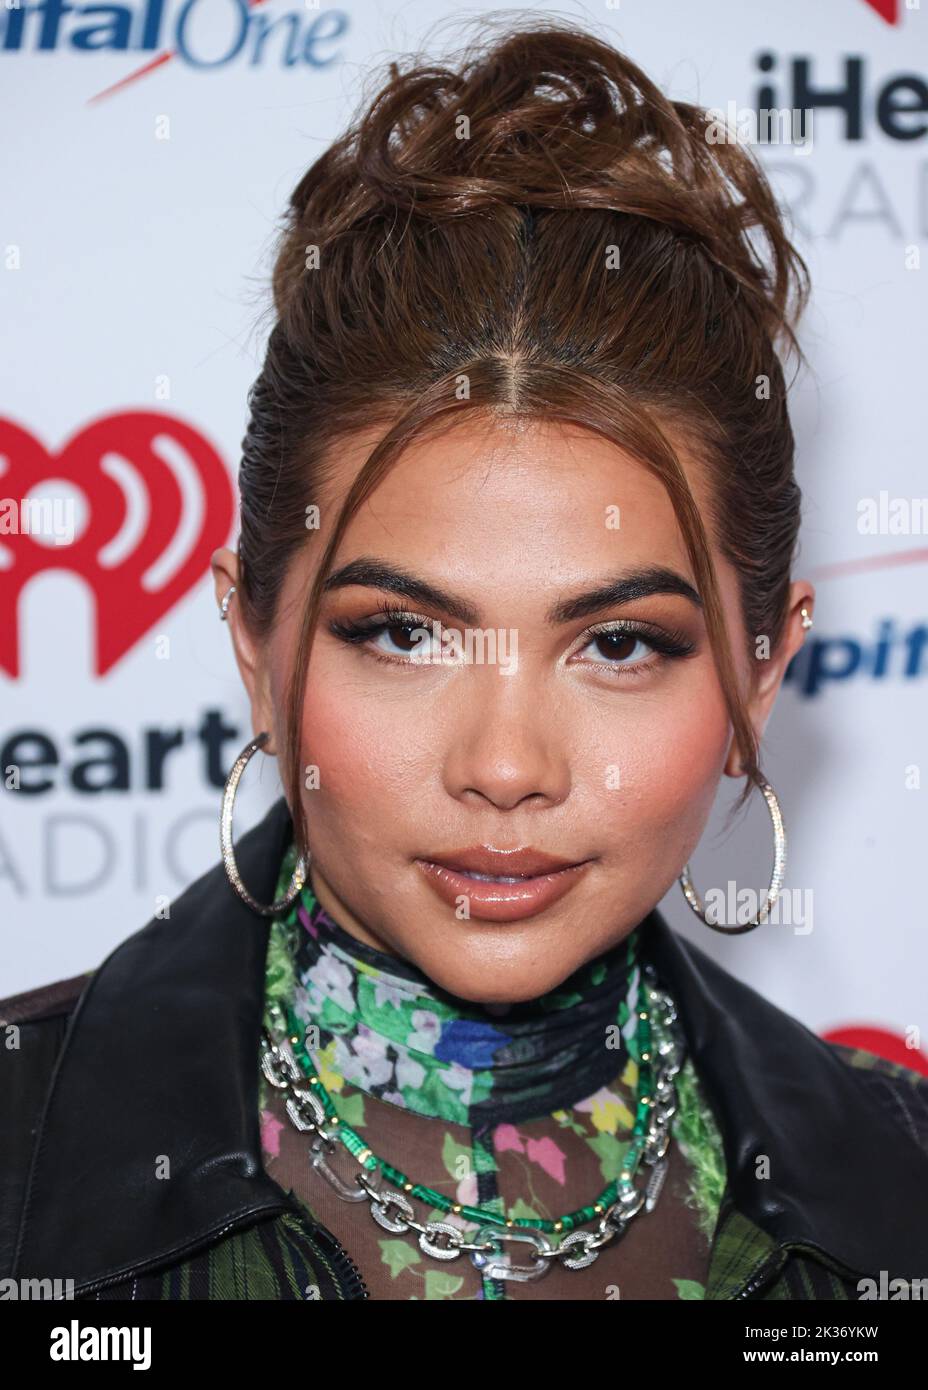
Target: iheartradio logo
[{"x": 146, "y": 499}]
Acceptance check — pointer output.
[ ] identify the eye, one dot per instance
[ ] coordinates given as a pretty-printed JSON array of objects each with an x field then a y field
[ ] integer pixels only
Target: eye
[
  {"x": 408, "y": 641},
  {"x": 623, "y": 647},
  {"x": 619, "y": 646},
  {"x": 403, "y": 639}
]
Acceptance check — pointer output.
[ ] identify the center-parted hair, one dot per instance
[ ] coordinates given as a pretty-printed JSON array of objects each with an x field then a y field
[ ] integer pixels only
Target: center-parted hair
[{"x": 533, "y": 232}]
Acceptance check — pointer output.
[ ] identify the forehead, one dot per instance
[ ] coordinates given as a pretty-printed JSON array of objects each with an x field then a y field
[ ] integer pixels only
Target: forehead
[{"x": 559, "y": 501}]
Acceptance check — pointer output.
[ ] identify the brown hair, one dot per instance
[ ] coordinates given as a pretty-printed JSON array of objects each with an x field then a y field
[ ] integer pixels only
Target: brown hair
[{"x": 463, "y": 232}]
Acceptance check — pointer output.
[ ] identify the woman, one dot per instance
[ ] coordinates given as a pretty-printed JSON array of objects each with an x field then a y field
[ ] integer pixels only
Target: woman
[{"x": 512, "y": 591}]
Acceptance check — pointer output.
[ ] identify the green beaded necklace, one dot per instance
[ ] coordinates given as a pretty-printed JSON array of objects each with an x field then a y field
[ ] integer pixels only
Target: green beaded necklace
[{"x": 286, "y": 1022}]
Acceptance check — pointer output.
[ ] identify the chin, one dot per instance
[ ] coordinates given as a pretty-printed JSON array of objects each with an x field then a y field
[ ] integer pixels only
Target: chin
[{"x": 495, "y": 982}]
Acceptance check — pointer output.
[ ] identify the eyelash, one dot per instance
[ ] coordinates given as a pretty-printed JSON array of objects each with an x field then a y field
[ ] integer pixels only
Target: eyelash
[{"x": 670, "y": 645}]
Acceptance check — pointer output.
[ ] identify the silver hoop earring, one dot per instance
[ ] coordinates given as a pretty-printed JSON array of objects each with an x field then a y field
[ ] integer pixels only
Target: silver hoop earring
[
  {"x": 225, "y": 840},
  {"x": 776, "y": 881}
]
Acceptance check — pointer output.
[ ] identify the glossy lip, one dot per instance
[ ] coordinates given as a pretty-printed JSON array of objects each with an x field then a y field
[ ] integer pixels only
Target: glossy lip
[
  {"x": 483, "y": 859},
  {"x": 543, "y": 879}
]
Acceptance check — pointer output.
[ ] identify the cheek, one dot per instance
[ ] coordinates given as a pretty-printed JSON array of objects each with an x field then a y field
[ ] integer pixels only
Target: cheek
[
  {"x": 363, "y": 746},
  {"x": 658, "y": 770}
]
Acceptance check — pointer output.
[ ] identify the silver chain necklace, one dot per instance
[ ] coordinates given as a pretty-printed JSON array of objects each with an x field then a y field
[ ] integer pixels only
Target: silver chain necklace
[{"x": 441, "y": 1240}]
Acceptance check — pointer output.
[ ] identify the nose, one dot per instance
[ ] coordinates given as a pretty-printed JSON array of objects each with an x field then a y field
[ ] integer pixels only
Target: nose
[{"x": 505, "y": 744}]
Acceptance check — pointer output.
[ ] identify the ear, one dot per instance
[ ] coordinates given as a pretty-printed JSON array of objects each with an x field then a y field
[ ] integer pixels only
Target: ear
[
  {"x": 248, "y": 654},
  {"x": 770, "y": 670}
]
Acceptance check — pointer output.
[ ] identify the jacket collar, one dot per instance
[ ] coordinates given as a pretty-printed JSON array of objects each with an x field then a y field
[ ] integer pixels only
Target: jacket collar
[{"x": 149, "y": 1143}]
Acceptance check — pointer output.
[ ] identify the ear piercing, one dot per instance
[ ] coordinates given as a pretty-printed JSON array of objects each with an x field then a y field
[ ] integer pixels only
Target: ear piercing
[{"x": 224, "y": 606}]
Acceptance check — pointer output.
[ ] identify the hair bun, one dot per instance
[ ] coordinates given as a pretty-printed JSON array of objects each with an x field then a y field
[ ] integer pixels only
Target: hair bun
[{"x": 552, "y": 118}]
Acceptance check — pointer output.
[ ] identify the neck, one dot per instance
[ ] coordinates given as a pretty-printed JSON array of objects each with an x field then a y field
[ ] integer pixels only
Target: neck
[{"x": 383, "y": 1027}]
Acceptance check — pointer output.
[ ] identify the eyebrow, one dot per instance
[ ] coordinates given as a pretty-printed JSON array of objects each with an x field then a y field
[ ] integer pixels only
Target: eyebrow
[{"x": 621, "y": 588}]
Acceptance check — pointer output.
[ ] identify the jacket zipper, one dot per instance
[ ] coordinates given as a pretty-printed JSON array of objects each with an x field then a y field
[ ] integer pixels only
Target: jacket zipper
[
  {"x": 772, "y": 1265},
  {"x": 351, "y": 1274},
  {"x": 200, "y": 1243},
  {"x": 762, "y": 1277},
  {"x": 352, "y": 1282}
]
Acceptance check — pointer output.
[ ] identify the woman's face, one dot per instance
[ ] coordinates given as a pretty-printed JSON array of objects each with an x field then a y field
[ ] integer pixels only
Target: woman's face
[{"x": 524, "y": 730}]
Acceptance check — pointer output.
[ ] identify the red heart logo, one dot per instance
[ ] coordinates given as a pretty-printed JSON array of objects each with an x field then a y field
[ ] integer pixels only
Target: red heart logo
[
  {"x": 882, "y": 1041},
  {"x": 886, "y": 9},
  {"x": 159, "y": 500}
]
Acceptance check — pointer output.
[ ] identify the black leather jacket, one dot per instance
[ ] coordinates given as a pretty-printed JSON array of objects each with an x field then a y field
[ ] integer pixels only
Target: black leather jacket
[{"x": 156, "y": 1053}]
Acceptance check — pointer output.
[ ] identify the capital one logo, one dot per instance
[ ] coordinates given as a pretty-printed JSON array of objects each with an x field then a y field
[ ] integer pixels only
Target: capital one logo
[{"x": 152, "y": 498}]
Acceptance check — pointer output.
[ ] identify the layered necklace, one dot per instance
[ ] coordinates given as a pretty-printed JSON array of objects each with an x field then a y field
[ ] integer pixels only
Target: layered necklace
[{"x": 574, "y": 1240}]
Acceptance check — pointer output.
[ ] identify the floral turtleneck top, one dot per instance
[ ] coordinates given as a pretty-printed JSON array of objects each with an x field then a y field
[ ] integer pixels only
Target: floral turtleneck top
[{"x": 525, "y": 1110}]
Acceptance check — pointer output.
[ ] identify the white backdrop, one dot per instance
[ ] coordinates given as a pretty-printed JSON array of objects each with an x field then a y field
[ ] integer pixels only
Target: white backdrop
[{"x": 148, "y": 152}]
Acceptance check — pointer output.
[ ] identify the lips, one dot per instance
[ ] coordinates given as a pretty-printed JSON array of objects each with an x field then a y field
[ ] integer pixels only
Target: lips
[
  {"x": 500, "y": 885},
  {"x": 516, "y": 863}
]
